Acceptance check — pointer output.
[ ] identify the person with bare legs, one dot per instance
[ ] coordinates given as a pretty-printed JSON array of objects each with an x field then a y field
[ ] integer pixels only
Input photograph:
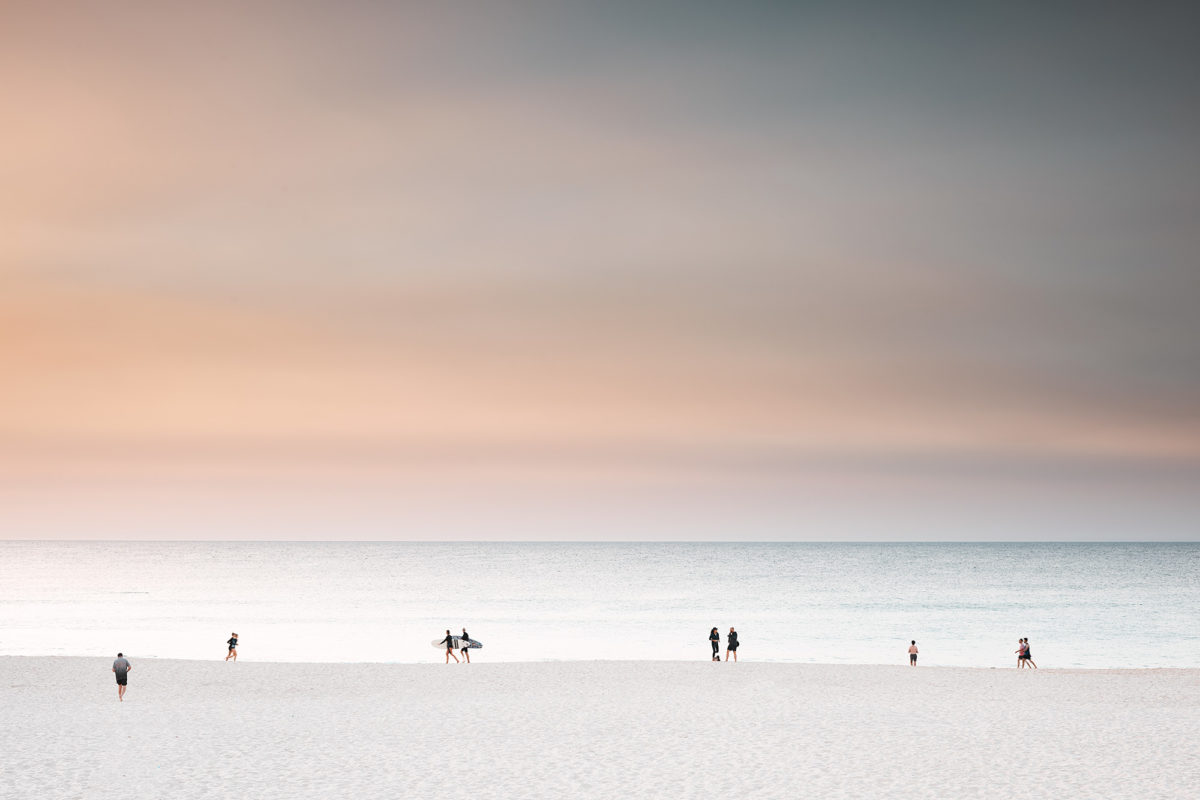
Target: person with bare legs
[
  {"x": 465, "y": 641},
  {"x": 121, "y": 668},
  {"x": 449, "y": 642},
  {"x": 731, "y": 645},
  {"x": 912, "y": 653},
  {"x": 232, "y": 647},
  {"x": 1020, "y": 651},
  {"x": 1029, "y": 654}
]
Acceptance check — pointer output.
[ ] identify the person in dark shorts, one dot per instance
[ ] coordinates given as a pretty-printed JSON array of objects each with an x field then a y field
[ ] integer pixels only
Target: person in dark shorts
[
  {"x": 232, "y": 647},
  {"x": 449, "y": 642},
  {"x": 912, "y": 653},
  {"x": 465, "y": 641},
  {"x": 121, "y": 668},
  {"x": 714, "y": 639},
  {"x": 731, "y": 645},
  {"x": 1028, "y": 653},
  {"x": 1020, "y": 651}
]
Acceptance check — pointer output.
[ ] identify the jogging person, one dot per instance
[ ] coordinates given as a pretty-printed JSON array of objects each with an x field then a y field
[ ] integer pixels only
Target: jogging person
[{"x": 232, "y": 647}]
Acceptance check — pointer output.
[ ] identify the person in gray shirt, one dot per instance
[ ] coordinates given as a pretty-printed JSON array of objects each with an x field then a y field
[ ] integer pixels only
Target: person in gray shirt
[{"x": 121, "y": 667}]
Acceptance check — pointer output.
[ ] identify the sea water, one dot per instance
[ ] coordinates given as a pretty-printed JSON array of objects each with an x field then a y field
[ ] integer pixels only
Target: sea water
[{"x": 1081, "y": 605}]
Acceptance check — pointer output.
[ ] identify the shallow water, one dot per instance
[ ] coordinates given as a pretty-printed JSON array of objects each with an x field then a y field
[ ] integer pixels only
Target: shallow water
[{"x": 1081, "y": 605}]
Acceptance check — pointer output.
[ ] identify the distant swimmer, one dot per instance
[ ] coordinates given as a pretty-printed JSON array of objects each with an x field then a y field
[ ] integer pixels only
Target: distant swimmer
[
  {"x": 465, "y": 641},
  {"x": 912, "y": 653},
  {"x": 121, "y": 668},
  {"x": 714, "y": 639},
  {"x": 232, "y": 647},
  {"x": 449, "y": 642},
  {"x": 1029, "y": 654},
  {"x": 731, "y": 645}
]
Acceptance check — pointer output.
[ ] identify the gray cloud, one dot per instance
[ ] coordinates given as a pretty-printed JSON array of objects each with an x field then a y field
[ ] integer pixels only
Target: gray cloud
[{"x": 936, "y": 227}]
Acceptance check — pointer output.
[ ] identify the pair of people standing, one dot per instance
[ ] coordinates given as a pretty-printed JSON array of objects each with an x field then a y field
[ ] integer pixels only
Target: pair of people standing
[
  {"x": 464, "y": 640},
  {"x": 1024, "y": 654},
  {"x": 731, "y": 645}
]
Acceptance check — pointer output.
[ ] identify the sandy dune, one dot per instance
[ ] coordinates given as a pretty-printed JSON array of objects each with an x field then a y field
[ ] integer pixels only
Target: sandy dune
[{"x": 192, "y": 729}]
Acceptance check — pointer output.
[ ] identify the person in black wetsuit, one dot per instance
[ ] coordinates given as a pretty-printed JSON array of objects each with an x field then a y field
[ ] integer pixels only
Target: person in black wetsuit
[
  {"x": 232, "y": 647},
  {"x": 449, "y": 642},
  {"x": 731, "y": 645},
  {"x": 714, "y": 639},
  {"x": 465, "y": 641}
]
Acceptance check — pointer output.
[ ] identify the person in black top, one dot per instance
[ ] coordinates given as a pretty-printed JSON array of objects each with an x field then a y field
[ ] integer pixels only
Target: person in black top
[
  {"x": 465, "y": 641},
  {"x": 714, "y": 639},
  {"x": 731, "y": 645},
  {"x": 232, "y": 647},
  {"x": 449, "y": 642}
]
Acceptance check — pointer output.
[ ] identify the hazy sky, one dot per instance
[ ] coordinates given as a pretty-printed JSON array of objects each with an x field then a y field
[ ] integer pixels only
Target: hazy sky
[{"x": 599, "y": 270}]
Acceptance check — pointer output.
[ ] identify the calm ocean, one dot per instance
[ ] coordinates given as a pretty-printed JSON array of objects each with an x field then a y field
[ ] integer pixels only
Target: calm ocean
[{"x": 1081, "y": 605}]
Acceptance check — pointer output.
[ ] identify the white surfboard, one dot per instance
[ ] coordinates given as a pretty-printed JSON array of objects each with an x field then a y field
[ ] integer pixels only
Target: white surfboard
[{"x": 456, "y": 643}]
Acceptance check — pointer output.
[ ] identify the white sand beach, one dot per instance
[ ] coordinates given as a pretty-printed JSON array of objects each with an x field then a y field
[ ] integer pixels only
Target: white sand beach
[{"x": 198, "y": 729}]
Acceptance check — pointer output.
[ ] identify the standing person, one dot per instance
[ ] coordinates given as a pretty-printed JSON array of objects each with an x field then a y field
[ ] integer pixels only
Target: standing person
[
  {"x": 449, "y": 642},
  {"x": 465, "y": 641},
  {"x": 714, "y": 639},
  {"x": 232, "y": 647},
  {"x": 1020, "y": 651},
  {"x": 1029, "y": 654},
  {"x": 731, "y": 645},
  {"x": 912, "y": 653},
  {"x": 121, "y": 668}
]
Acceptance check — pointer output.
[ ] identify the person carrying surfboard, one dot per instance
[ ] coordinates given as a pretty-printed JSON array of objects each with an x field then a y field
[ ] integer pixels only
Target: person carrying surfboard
[
  {"x": 449, "y": 642},
  {"x": 465, "y": 641}
]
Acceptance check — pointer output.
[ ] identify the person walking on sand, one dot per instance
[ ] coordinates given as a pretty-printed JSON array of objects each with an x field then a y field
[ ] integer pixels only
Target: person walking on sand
[
  {"x": 1020, "y": 651},
  {"x": 121, "y": 668},
  {"x": 232, "y": 647},
  {"x": 714, "y": 639},
  {"x": 731, "y": 645},
  {"x": 465, "y": 641},
  {"x": 449, "y": 642},
  {"x": 912, "y": 653},
  {"x": 1028, "y": 653}
]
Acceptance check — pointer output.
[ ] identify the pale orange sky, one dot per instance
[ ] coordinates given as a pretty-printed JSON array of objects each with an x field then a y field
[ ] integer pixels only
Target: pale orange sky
[{"x": 326, "y": 271}]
